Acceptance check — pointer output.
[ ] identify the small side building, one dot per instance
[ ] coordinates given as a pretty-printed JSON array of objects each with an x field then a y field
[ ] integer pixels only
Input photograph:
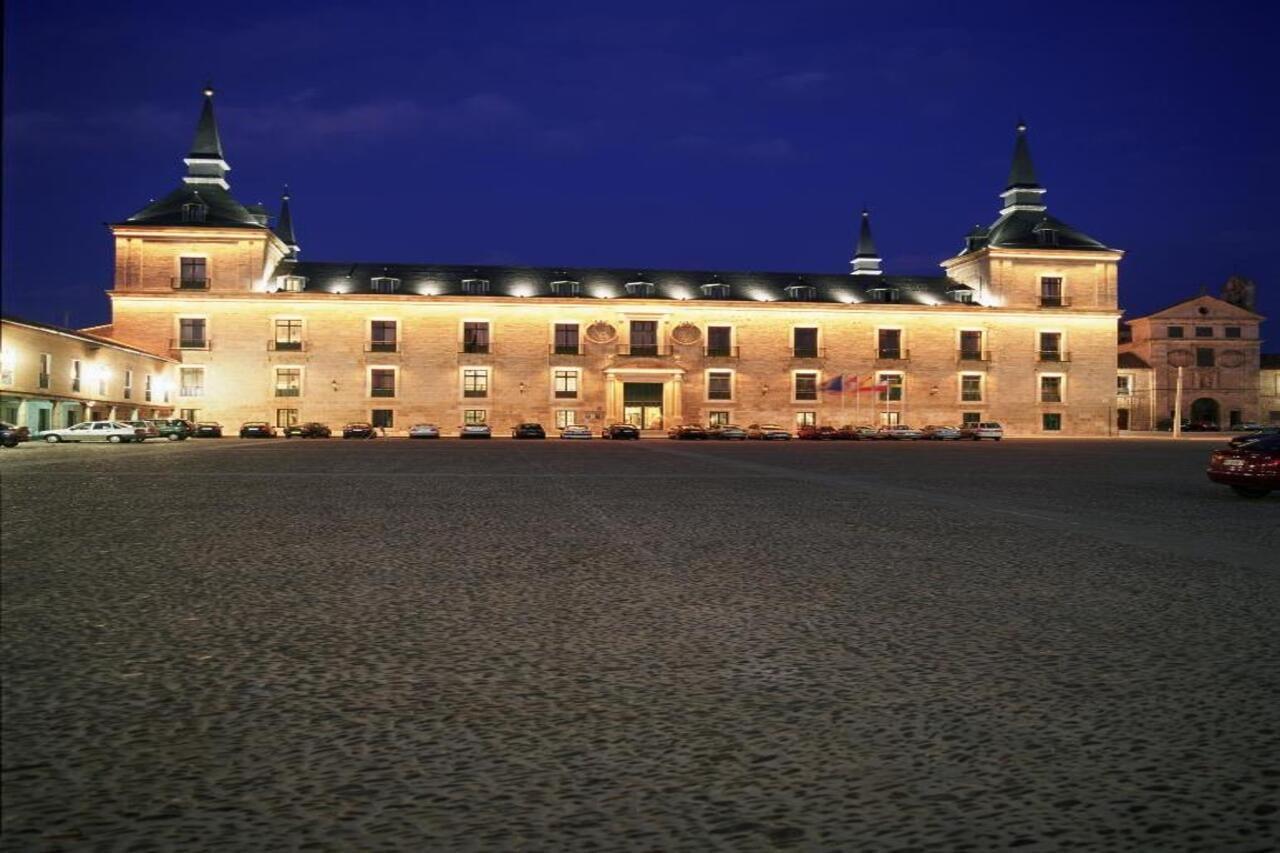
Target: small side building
[{"x": 52, "y": 377}]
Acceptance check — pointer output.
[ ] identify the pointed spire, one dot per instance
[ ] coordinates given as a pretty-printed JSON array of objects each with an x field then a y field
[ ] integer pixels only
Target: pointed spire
[
  {"x": 284, "y": 225},
  {"x": 1023, "y": 191},
  {"x": 206, "y": 163},
  {"x": 866, "y": 260}
]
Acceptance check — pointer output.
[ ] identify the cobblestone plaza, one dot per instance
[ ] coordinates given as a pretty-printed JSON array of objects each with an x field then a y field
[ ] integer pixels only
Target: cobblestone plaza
[{"x": 1047, "y": 644}]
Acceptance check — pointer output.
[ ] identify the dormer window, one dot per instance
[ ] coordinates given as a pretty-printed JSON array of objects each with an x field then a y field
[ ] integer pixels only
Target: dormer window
[
  {"x": 883, "y": 294},
  {"x": 802, "y": 293},
  {"x": 715, "y": 290},
  {"x": 292, "y": 283},
  {"x": 1048, "y": 237},
  {"x": 194, "y": 211},
  {"x": 640, "y": 288},
  {"x": 963, "y": 296},
  {"x": 384, "y": 284},
  {"x": 566, "y": 288},
  {"x": 475, "y": 286}
]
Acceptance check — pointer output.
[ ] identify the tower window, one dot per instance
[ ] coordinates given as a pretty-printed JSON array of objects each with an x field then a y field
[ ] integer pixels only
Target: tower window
[
  {"x": 802, "y": 293},
  {"x": 194, "y": 212},
  {"x": 384, "y": 284},
  {"x": 639, "y": 288},
  {"x": 566, "y": 288},
  {"x": 715, "y": 290}
]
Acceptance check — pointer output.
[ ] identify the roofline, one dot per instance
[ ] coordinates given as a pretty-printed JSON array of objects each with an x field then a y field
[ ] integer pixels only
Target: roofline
[
  {"x": 237, "y": 230},
  {"x": 76, "y": 334},
  {"x": 1193, "y": 299},
  {"x": 1057, "y": 253}
]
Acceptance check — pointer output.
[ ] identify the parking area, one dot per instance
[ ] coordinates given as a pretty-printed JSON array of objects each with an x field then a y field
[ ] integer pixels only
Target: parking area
[{"x": 637, "y": 645}]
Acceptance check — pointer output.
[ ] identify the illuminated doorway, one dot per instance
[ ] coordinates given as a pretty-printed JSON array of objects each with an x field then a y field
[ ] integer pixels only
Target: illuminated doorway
[{"x": 642, "y": 404}]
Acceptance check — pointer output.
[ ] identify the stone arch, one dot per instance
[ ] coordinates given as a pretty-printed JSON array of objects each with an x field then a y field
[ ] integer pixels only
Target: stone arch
[{"x": 1205, "y": 410}]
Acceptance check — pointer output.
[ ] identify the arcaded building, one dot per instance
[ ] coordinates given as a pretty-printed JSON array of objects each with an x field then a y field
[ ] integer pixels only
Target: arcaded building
[{"x": 1020, "y": 327}]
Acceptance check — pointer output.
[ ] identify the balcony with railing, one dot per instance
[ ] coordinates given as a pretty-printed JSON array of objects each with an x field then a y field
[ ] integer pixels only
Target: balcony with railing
[
  {"x": 1055, "y": 356},
  {"x": 1048, "y": 300},
  {"x": 643, "y": 350},
  {"x": 43, "y": 380},
  {"x": 892, "y": 354},
  {"x": 808, "y": 352},
  {"x": 288, "y": 391},
  {"x": 286, "y": 346},
  {"x": 382, "y": 391},
  {"x": 382, "y": 346},
  {"x": 189, "y": 283},
  {"x": 563, "y": 350},
  {"x": 720, "y": 352},
  {"x": 191, "y": 343},
  {"x": 475, "y": 348},
  {"x": 968, "y": 356}
]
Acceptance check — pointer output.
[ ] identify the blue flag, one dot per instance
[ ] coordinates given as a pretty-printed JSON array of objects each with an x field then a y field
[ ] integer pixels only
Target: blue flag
[{"x": 835, "y": 383}]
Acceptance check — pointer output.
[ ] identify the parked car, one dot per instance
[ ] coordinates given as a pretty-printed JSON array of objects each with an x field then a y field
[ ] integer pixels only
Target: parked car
[
  {"x": 147, "y": 427},
  {"x": 986, "y": 429},
  {"x": 1252, "y": 470},
  {"x": 257, "y": 429},
  {"x": 207, "y": 429},
  {"x": 475, "y": 431},
  {"x": 621, "y": 432},
  {"x": 20, "y": 432},
  {"x": 849, "y": 432},
  {"x": 174, "y": 429},
  {"x": 1200, "y": 426},
  {"x": 359, "y": 429},
  {"x": 575, "y": 431},
  {"x": 768, "y": 432},
  {"x": 8, "y": 435},
  {"x": 687, "y": 432},
  {"x": 727, "y": 432},
  {"x": 112, "y": 431},
  {"x": 898, "y": 432},
  {"x": 529, "y": 430},
  {"x": 809, "y": 432},
  {"x": 424, "y": 431},
  {"x": 934, "y": 432},
  {"x": 1250, "y": 435},
  {"x": 310, "y": 429}
]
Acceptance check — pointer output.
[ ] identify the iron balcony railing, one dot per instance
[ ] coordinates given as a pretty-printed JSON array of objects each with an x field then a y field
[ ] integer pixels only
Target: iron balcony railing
[
  {"x": 893, "y": 354},
  {"x": 973, "y": 355},
  {"x": 191, "y": 391},
  {"x": 382, "y": 392},
  {"x": 1054, "y": 301},
  {"x": 565, "y": 349},
  {"x": 185, "y": 283},
  {"x": 641, "y": 350},
  {"x": 191, "y": 343},
  {"x": 808, "y": 352},
  {"x": 382, "y": 346},
  {"x": 43, "y": 380},
  {"x": 286, "y": 346},
  {"x": 288, "y": 392},
  {"x": 720, "y": 352},
  {"x": 1054, "y": 355},
  {"x": 475, "y": 349}
]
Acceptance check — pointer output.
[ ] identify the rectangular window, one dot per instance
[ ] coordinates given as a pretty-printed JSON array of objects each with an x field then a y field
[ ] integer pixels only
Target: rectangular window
[
  {"x": 192, "y": 333},
  {"x": 102, "y": 382},
  {"x": 1051, "y": 292},
  {"x": 1051, "y": 421},
  {"x": 889, "y": 343},
  {"x": 76, "y": 375},
  {"x": 288, "y": 381},
  {"x": 475, "y": 287},
  {"x": 1051, "y": 346},
  {"x": 970, "y": 418},
  {"x": 566, "y": 339},
  {"x": 384, "y": 336},
  {"x": 194, "y": 273},
  {"x": 46, "y": 369},
  {"x": 806, "y": 419},
  {"x": 286, "y": 417},
  {"x": 383, "y": 284},
  {"x": 893, "y": 393},
  {"x": 565, "y": 417},
  {"x": 475, "y": 416},
  {"x": 1204, "y": 357},
  {"x": 971, "y": 387},
  {"x": 644, "y": 337},
  {"x": 382, "y": 382},
  {"x": 1231, "y": 332},
  {"x": 719, "y": 385},
  {"x": 1050, "y": 389},
  {"x": 717, "y": 418},
  {"x": 475, "y": 337},
  {"x": 191, "y": 382},
  {"x": 475, "y": 382},
  {"x": 1174, "y": 331},
  {"x": 128, "y": 384},
  {"x": 381, "y": 418},
  {"x": 288, "y": 335},
  {"x": 806, "y": 386},
  {"x": 146, "y": 389},
  {"x": 1204, "y": 331},
  {"x": 1124, "y": 385},
  {"x": 566, "y": 384},
  {"x": 970, "y": 345},
  {"x": 719, "y": 341},
  {"x": 804, "y": 343}
]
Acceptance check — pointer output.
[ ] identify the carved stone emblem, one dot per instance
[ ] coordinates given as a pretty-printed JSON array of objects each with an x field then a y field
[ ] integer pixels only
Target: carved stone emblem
[
  {"x": 686, "y": 333},
  {"x": 601, "y": 333},
  {"x": 1180, "y": 357},
  {"x": 1231, "y": 358}
]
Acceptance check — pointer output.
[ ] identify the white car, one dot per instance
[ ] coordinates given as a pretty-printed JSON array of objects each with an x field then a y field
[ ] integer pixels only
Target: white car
[
  {"x": 424, "y": 431},
  {"x": 576, "y": 431},
  {"x": 986, "y": 429},
  {"x": 112, "y": 431},
  {"x": 899, "y": 432},
  {"x": 941, "y": 433},
  {"x": 475, "y": 431}
]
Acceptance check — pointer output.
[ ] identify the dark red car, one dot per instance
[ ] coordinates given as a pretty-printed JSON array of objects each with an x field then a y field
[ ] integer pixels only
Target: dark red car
[
  {"x": 688, "y": 432},
  {"x": 817, "y": 433},
  {"x": 1251, "y": 470}
]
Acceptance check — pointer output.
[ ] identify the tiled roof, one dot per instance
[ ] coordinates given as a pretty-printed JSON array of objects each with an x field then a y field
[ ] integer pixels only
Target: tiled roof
[
  {"x": 81, "y": 335},
  {"x": 223, "y": 210},
  {"x": 598, "y": 282},
  {"x": 1131, "y": 361}
]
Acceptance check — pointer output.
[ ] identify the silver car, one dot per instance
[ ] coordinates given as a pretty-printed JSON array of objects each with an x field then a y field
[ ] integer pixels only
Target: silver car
[
  {"x": 112, "y": 431},
  {"x": 576, "y": 431},
  {"x": 941, "y": 433},
  {"x": 424, "y": 431},
  {"x": 475, "y": 431}
]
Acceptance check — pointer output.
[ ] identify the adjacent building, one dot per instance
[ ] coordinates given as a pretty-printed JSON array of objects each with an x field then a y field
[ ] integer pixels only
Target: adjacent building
[{"x": 1019, "y": 328}]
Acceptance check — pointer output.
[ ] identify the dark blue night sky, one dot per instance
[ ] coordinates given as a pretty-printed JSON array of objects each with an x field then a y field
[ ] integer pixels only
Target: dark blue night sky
[{"x": 708, "y": 135}]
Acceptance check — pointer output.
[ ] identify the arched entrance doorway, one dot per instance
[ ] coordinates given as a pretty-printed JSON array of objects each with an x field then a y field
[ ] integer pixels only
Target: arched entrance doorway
[{"x": 1205, "y": 410}]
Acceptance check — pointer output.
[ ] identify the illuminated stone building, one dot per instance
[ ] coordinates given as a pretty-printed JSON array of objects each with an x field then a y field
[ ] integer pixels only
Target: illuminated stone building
[{"x": 1020, "y": 328}]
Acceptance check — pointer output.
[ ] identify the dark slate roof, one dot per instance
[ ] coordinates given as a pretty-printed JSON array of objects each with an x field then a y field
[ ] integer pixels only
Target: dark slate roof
[
  {"x": 1131, "y": 361},
  {"x": 1018, "y": 229},
  {"x": 866, "y": 245},
  {"x": 1021, "y": 172},
  {"x": 207, "y": 143},
  {"x": 1270, "y": 361},
  {"x": 598, "y": 282},
  {"x": 224, "y": 211},
  {"x": 284, "y": 225}
]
